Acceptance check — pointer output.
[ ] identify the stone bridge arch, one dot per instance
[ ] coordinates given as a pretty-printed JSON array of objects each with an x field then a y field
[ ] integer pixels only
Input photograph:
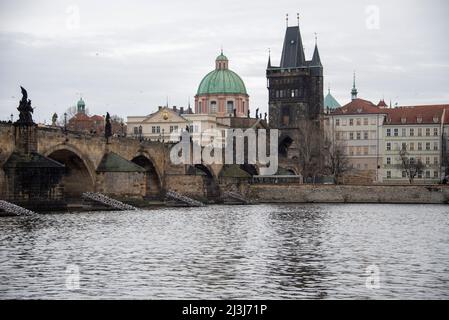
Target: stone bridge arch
[
  {"x": 80, "y": 174},
  {"x": 154, "y": 178}
]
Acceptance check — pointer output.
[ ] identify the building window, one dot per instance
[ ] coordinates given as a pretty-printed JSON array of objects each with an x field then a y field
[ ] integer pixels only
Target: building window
[
  {"x": 427, "y": 160},
  {"x": 412, "y": 146},
  {"x": 412, "y": 132},
  {"x": 351, "y": 135},
  {"x": 153, "y": 129},
  {"x": 351, "y": 122},
  {"x": 213, "y": 107},
  {"x": 388, "y": 132},
  {"x": 337, "y": 122},
  {"x": 388, "y": 146},
  {"x": 404, "y": 132},
  {"x": 365, "y": 121},
  {"x": 427, "y": 146},
  {"x": 419, "y": 146},
  {"x": 365, "y": 135},
  {"x": 435, "y": 146},
  {"x": 427, "y": 174},
  {"x": 136, "y": 130},
  {"x": 435, "y": 174},
  {"x": 359, "y": 136},
  {"x": 388, "y": 160},
  {"x": 419, "y": 132},
  {"x": 427, "y": 132},
  {"x": 404, "y": 146},
  {"x": 404, "y": 174},
  {"x": 359, "y": 121},
  {"x": 388, "y": 174},
  {"x": 435, "y": 131},
  {"x": 365, "y": 151},
  {"x": 200, "y": 109},
  {"x": 435, "y": 161},
  {"x": 396, "y": 132},
  {"x": 230, "y": 107}
]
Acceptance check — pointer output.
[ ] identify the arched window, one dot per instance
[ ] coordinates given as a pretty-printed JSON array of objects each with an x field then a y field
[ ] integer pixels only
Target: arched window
[
  {"x": 200, "y": 110},
  {"x": 230, "y": 107},
  {"x": 213, "y": 107}
]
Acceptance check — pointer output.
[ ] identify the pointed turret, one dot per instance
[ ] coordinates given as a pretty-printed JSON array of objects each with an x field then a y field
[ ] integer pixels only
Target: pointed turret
[
  {"x": 316, "y": 60},
  {"x": 269, "y": 60}
]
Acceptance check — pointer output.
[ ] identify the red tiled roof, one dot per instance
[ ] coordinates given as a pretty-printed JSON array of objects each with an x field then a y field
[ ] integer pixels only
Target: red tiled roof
[
  {"x": 427, "y": 114},
  {"x": 359, "y": 106},
  {"x": 97, "y": 117},
  {"x": 382, "y": 104},
  {"x": 80, "y": 117}
]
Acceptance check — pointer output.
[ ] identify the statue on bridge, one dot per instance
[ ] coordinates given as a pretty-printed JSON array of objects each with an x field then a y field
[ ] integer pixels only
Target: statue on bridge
[
  {"x": 25, "y": 109},
  {"x": 108, "y": 127}
]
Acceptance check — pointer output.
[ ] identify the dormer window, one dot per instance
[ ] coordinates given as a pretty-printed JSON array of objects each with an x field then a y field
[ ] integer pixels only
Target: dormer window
[
  {"x": 359, "y": 110},
  {"x": 419, "y": 119},
  {"x": 403, "y": 120},
  {"x": 435, "y": 119}
]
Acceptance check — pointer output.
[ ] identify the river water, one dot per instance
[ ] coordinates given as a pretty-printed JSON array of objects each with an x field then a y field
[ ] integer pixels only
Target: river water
[{"x": 230, "y": 252}]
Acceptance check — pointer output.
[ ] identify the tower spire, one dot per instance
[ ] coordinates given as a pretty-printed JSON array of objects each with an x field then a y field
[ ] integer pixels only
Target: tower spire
[
  {"x": 354, "y": 89},
  {"x": 286, "y": 19},
  {"x": 269, "y": 58},
  {"x": 297, "y": 18}
]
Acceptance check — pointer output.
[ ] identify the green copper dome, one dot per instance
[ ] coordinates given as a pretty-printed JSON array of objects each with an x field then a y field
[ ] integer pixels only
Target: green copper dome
[
  {"x": 81, "y": 103},
  {"x": 330, "y": 102},
  {"x": 221, "y": 81},
  {"x": 221, "y": 57}
]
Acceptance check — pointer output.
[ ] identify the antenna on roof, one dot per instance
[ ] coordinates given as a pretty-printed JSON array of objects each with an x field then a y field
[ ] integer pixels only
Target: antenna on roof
[
  {"x": 297, "y": 17},
  {"x": 286, "y": 19}
]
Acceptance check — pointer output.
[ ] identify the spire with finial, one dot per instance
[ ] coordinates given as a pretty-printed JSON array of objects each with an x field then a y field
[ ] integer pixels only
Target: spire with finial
[
  {"x": 269, "y": 58},
  {"x": 354, "y": 89},
  {"x": 316, "y": 60}
]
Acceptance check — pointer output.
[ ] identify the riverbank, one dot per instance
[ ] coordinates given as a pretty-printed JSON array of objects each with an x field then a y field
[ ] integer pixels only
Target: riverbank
[{"x": 418, "y": 194}]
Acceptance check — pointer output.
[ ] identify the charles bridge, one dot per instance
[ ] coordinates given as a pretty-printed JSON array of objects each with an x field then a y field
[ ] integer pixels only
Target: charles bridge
[{"x": 120, "y": 166}]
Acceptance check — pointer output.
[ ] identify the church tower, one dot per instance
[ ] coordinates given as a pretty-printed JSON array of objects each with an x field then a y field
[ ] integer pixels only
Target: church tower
[{"x": 295, "y": 87}]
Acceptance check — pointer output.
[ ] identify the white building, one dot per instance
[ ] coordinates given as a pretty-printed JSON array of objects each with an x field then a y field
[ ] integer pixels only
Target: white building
[
  {"x": 419, "y": 132},
  {"x": 357, "y": 126}
]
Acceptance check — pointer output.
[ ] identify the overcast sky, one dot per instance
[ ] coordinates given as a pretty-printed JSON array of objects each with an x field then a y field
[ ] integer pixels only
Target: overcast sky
[{"x": 126, "y": 57}]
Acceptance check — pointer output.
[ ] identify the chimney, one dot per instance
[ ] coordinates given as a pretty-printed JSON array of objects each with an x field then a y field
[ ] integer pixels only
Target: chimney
[
  {"x": 160, "y": 108},
  {"x": 181, "y": 110},
  {"x": 174, "y": 108}
]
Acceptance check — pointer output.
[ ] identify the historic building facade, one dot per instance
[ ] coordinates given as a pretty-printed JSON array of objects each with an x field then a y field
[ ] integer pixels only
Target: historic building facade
[
  {"x": 295, "y": 91},
  {"x": 418, "y": 133},
  {"x": 222, "y": 92}
]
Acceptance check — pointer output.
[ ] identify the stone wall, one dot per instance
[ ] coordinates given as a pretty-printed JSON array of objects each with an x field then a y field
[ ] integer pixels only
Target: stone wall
[
  {"x": 189, "y": 185},
  {"x": 348, "y": 194},
  {"x": 122, "y": 184}
]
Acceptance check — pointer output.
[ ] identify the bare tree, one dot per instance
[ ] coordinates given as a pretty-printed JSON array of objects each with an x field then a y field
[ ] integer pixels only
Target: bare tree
[
  {"x": 411, "y": 166},
  {"x": 310, "y": 143},
  {"x": 336, "y": 160}
]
